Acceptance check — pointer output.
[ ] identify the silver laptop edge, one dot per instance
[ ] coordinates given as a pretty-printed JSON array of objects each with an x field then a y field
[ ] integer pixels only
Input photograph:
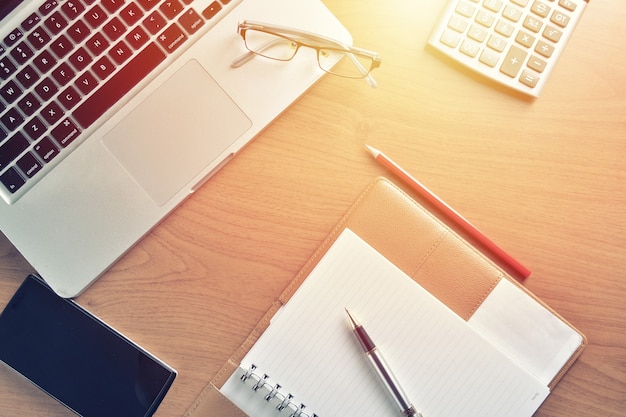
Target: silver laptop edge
[{"x": 94, "y": 206}]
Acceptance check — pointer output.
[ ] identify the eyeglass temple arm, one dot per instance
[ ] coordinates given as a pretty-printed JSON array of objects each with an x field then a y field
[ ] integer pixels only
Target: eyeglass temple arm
[
  {"x": 242, "y": 59},
  {"x": 368, "y": 77}
]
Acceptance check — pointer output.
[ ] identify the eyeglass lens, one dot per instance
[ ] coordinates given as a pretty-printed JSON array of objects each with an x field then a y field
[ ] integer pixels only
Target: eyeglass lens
[
  {"x": 270, "y": 45},
  {"x": 282, "y": 48}
]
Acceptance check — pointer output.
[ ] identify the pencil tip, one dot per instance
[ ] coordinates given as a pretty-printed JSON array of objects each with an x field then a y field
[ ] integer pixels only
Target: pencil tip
[{"x": 375, "y": 152}]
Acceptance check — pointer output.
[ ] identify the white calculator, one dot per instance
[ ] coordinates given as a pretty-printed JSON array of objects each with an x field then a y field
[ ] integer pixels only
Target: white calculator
[{"x": 514, "y": 42}]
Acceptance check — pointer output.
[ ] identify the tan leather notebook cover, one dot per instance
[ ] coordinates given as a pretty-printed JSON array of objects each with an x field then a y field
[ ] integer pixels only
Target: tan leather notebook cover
[{"x": 418, "y": 243}]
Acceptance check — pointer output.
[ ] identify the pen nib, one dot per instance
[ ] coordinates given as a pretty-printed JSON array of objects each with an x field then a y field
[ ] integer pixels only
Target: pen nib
[{"x": 353, "y": 321}]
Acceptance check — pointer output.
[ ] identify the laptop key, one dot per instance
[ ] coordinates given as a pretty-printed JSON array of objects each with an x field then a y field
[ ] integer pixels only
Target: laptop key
[
  {"x": 45, "y": 61},
  {"x": 12, "y": 119},
  {"x": 12, "y": 180},
  {"x": 171, "y": 9},
  {"x": 32, "y": 21},
  {"x": 48, "y": 6},
  {"x": 35, "y": 128},
  {"x": 12, "y": 148},
  {"x": 29, "y": 165},
  {"x": 22, "y": 53},
  {"x": 86, "y": 82},
  {"x": 148, "y": 4},
  {"x": 46, "y": 89},
  {"x": 131, "y": 14},
  {"x": 10, "y": 91},
  {"x": 28, "y": 77},
  {"x": 13, "y": 37},
  {"x": 73, "y": 9},
  {"x": 65, "y": 132},
  {"x": 46, "y": 150},
  {"x": 191, "y": 21},
  {"x": 7, "y": 68},
  {"x": 69, "y": 98},
  {"x": 211, "y": 10},
  {"x": 63, "y": 74},
  {"x": 29, "y": 104},
  {"x": 79, "y": 31},
  {"x": 120, "y": 84},
  {"x": 114, "y": 29},
  {"x": 52, "y": 113},
  {"x": 96, "y": 16},
  {"x": 171, "y": 38},
  {"x": 154, "y": 22},
  {"x": 56, "y": 23},
  {"x": 39, "y": 38},
  {"x": 112, "y": 5}
]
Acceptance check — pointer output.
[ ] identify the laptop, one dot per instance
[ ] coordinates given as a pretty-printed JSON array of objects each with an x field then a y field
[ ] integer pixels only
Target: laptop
[{"x": 112, "y": 112}]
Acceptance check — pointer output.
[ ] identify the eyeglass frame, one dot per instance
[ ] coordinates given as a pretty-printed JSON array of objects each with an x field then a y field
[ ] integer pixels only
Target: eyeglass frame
[{"x": 303, "y": 35}]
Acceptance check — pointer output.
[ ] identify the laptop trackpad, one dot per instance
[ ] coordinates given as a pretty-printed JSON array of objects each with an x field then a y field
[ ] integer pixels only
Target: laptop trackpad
[{"x": 176, "y": 132}]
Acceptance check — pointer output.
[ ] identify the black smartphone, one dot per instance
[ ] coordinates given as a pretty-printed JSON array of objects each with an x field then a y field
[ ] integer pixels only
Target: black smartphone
[{"x": 78, "y": 359}]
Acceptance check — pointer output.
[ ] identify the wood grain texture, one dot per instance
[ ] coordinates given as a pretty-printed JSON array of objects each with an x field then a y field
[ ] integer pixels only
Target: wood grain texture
[{"x": 544, "y": 178}]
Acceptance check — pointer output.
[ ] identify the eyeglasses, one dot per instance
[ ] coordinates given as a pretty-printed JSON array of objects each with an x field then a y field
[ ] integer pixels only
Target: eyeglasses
[{"x": 282, "y": 43}]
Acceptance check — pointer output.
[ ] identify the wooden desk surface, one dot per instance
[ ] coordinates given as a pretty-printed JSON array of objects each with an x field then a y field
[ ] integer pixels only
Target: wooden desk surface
[{"x": 545, "y": 178}]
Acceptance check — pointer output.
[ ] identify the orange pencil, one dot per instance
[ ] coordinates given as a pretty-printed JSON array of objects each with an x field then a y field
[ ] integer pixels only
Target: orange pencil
[{"x": 497, "y": 252}]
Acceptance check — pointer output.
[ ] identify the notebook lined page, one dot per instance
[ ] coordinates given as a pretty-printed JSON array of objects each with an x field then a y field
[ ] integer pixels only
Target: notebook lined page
[{"x": 446, "y": 368}]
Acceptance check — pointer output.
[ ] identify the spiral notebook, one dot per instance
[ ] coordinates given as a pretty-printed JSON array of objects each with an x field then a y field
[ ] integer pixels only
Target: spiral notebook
[{"x": 462, "y": 336}]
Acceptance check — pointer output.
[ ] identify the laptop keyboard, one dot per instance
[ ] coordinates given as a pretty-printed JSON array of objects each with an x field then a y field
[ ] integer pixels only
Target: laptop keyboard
[{"x": 71, "y": 61}]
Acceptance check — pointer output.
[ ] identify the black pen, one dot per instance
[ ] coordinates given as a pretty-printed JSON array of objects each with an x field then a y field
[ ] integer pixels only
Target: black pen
[{"x": 383, "y": 371}]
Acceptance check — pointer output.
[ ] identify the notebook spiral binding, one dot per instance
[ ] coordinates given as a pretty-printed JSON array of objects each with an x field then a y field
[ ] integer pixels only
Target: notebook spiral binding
[{"x": 284, "y": 404}]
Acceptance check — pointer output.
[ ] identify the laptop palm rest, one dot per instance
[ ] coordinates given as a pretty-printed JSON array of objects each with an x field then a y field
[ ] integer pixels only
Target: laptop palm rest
[{"x": 177, "y": 132}]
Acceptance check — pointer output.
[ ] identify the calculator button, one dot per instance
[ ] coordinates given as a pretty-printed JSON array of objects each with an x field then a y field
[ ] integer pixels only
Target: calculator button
[
  {"x": 537, "y": 64},
  {"x": 560, "y": 19},
  {"x": 544, "y": 49},
  {"x": 525, "y": 39},
  {"x": 512, "y": 13},
  {"x": 533, "y": 24},
  {"x": 489, "y": 58},
  {"x": 485, "y": 18},
  {"x": 521, "y": 3},
  {"x": 505, "y": 28},
  {"x": 457, "y": 23},
  {"x": 529, "y": 79},
  {"x": 551, "y": 33},
  {"x": 540, "y": 9},
  {"x": 477, "y": 33},
  {"x": 513, "y": 61},
  {"x": 465, "y": 9},
  {"x": 450, "y": 39},
  {"x": 567, "y": 4},
  {"x": 470, "y": 48},
  {"x": 493, "y": 5},
  {"x": 496, "y": 43}
]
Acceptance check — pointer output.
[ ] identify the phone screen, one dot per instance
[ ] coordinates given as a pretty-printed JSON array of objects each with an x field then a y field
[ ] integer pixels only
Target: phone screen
[{"x": 78, "y": 359}]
